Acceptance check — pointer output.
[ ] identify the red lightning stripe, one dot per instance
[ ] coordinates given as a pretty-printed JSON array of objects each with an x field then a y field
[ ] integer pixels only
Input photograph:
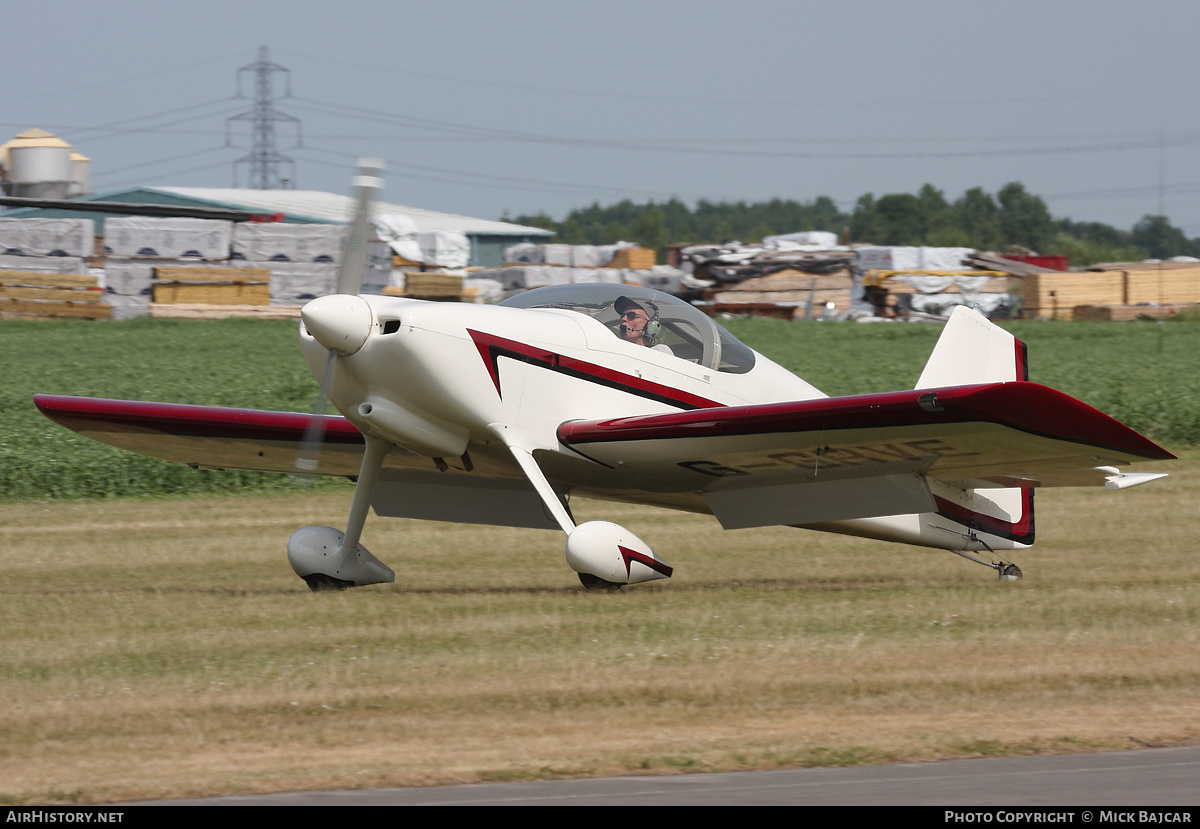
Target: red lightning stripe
[
  {"x": 629, "y": 556},
  {"x": 491, "y": 348}
]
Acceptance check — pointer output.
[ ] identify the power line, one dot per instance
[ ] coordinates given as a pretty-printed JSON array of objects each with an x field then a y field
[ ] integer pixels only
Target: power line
[
  {"x": 121, "y": 125},
  {"x": 170, "y": 174},
  {"x": 676, "y": 148},
  {"x": 808, "y": 104},
  {"x": 143, "y": 164},
  {"x": 491, "y": 181}
]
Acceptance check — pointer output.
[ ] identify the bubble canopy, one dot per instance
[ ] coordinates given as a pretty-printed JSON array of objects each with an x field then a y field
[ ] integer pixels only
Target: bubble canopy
[{"x": 689, "y": 333}]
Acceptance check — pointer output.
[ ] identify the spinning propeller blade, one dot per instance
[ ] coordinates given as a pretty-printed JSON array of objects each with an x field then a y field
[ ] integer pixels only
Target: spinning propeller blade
[{"x": 367, "y": 183}]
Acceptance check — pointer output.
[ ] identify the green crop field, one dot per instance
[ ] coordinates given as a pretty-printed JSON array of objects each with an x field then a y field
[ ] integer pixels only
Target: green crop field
[{"x": 1144, "y": 374}]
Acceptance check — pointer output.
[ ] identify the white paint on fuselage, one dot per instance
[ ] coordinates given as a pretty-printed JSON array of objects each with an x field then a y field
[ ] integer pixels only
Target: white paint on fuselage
[{"x": 430, "y": 365}]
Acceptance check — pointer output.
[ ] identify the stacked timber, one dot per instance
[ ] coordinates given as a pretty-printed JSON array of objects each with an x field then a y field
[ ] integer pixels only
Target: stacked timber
[
  {"x": 638, "y": 259},
  {"x": 204, "y": 311},
  {"x": 175, "y": 285},
  {"x": 1147, "y": 283},
  {"x": 1054, "y": 294},
  {"x": 34, "y": 295},
  {"x": 1129, "y": 289},
  {"x": 436, "y": 286},
  {"x": 43, "y": 274},
  {"x": 788, "y": 293},
  {"x": 439, "y": 287}
]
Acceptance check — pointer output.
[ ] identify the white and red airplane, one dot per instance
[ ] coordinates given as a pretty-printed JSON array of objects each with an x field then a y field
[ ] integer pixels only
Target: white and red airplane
[{"x": 500, "y": 414}]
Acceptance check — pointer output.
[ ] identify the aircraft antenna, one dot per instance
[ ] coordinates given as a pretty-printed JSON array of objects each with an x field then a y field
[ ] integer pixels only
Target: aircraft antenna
[{"x": 264, "y": 160}]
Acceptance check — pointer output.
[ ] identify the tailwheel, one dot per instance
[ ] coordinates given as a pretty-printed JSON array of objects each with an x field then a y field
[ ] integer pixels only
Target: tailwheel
[
  {"x": 597, "y": 584},
  {"x": 320, "y": 583},
  {"x": 1008, "y": 572},
  {"x": 1005, "y": 569}
]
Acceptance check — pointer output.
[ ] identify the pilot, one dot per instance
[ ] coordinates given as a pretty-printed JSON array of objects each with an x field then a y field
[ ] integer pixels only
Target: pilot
[{"x": 639, "y": 325}]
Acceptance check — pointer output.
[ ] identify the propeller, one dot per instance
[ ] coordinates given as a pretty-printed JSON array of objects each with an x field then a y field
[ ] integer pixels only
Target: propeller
[{"x": 341, "y": 321}]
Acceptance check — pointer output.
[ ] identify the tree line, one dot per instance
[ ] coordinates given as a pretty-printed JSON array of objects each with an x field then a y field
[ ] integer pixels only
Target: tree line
[{"x": 1012, "y": 219}]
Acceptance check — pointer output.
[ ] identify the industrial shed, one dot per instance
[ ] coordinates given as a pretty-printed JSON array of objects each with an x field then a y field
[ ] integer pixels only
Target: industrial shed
[{"x": 488, "y": 238}]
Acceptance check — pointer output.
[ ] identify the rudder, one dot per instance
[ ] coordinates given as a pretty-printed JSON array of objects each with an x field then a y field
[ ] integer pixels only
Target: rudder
[{"x": 973, "y": 350}]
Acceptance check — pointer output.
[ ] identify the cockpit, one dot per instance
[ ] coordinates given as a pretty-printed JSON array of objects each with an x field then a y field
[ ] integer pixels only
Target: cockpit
[{"x": 671, "y": 324}]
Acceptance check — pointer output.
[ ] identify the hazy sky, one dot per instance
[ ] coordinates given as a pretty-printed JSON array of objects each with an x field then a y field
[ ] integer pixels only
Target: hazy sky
[{"x": 481, "y": 108}]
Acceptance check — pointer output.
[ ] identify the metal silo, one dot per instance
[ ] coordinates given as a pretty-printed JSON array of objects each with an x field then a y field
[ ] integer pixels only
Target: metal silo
[{"x": 37, "y": 164}]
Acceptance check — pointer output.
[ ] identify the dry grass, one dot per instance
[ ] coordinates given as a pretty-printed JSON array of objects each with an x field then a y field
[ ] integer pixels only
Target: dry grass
[{"x": 164, "y": 648}]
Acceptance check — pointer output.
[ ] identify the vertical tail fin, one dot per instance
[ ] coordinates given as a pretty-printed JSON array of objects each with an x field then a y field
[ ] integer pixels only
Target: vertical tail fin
[{"x": 973, "y": 350}]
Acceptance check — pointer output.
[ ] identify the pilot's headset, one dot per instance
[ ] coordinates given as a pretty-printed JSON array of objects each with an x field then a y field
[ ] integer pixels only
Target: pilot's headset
[
  {"x": 654, "y": 326},
  {"x": 653, "y": 329}
]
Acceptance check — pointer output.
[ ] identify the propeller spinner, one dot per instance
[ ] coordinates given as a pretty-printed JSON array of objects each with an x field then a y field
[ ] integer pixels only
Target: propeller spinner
[{"x": 340, "y": 322}]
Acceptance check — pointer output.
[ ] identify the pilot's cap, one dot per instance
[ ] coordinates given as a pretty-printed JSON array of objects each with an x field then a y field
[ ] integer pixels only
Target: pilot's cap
[{"x": 624, "y": 303}]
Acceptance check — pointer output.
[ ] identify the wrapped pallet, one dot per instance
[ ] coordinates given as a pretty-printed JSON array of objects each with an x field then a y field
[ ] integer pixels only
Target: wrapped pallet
[
  {"x": 585, "y": 256},
  {"x": 278, "y": 242},
  {"x": 295, "y": 283},
  {"x": 557, "y": 255},
  {"x": 47, "y": 237},
  {"x": 168, "y": 238},
  {"x": 525, "y": 253},
  {"x": 132, "y": 277},
  {"x": 444, "y": 248}
]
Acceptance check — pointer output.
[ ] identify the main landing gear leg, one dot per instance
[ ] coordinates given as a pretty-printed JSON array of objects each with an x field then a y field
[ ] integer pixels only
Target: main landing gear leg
[
  {"x": 605, "y": 555},
  {"x": 330, "y": 560}
]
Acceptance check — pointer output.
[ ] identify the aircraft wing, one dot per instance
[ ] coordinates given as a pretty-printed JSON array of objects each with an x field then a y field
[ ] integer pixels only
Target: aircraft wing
[
  {"x": 869, "y": 455},
  {"x": 208, "y": 437},
  {"x": 488, "y": 489}
]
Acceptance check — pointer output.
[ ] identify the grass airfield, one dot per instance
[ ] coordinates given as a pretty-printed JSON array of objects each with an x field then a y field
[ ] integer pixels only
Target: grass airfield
[{"x": 163, "y": 648}]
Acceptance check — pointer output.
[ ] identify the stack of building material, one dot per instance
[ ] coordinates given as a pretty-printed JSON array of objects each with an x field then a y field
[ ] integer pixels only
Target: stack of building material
[
  {"x": 1167, "y": 282},
  {"x": 278, "y": 242},
  {"x": 1138, "y": 289},
  {"x": 436, "y": 286},
  {"x": 937, "y": 293},
  {"x": 175, "y": 285},
  {"x": 34, "y": 295},
  {"x": 303, "y": 259},
  {"x": 1054, "y": 294},
  {"x": 168, "y": 238},
  {"x": 576, "y": 256},
  {"x": 1126, "y": 288},
  {"x": 638, "y": 259},
  {"x": 535, "y": 266},
  {"x": 205, "y": 311},
  {"x": 47, "y": 237},
  {"x": 136, "y": 246},
  {"x": 516, "y": 278},
  {"x": 1013, "y": 267},
  {"x": 787, "y": 293},
  {"x": 779, "y": 279},
  {"x": 43, "y": 272},
  {"x": 735, "y": 262}
]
